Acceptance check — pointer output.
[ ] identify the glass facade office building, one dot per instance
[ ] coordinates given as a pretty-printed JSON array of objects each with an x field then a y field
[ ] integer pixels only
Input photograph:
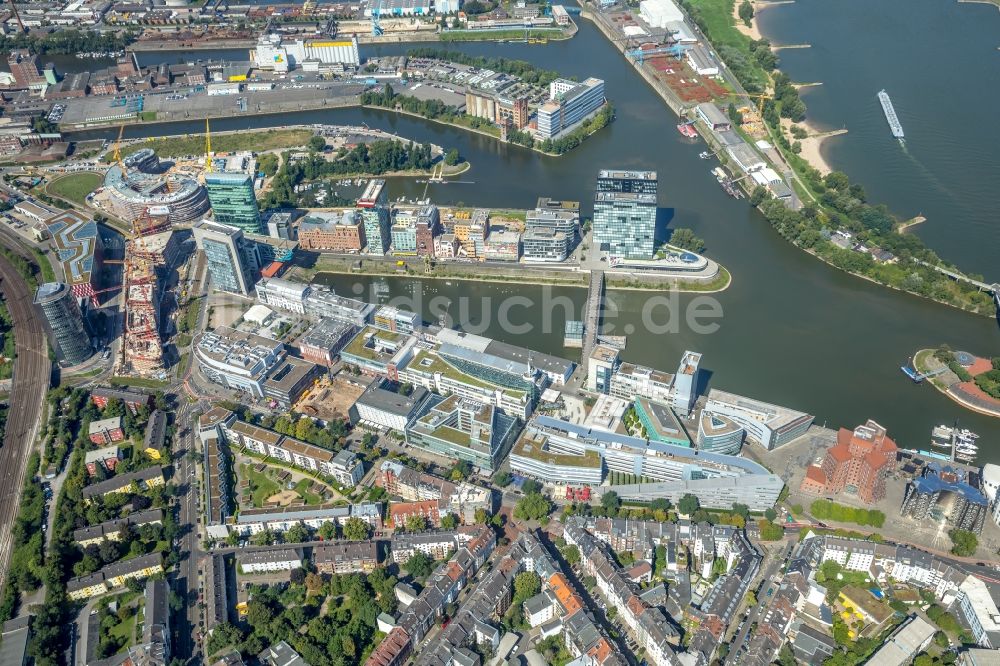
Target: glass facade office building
[
  {"x": 625, "y": 213},
  {"x": 66, "y": 321},
  {"x": 233, "y": 200},
  {"x": 232, "y": 260}
]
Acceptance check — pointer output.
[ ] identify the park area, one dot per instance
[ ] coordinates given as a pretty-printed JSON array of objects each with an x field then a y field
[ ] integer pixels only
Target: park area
[
  {"x": 74, "y": 187},
  {"x": 264, "y": 486},
  {"x": 969, "y": 380}
]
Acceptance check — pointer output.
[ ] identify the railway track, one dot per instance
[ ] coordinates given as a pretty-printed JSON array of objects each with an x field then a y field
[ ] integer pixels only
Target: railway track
[{"x": 32, "y": 370}]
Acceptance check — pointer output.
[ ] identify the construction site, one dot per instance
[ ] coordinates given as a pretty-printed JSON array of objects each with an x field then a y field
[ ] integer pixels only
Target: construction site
[
  {"x": 148, "y": 249},
  {"x": 142, "y": 349}
]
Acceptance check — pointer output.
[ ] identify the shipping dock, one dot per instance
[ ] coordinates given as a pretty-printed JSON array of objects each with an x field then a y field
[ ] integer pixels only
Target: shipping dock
[{"x": 890, "y": 114}]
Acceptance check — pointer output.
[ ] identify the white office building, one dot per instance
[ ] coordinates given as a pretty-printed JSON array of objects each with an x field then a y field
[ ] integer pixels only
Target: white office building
[
  {"x": 768, "y": 425},
  {"x": 284, "y": 294}
]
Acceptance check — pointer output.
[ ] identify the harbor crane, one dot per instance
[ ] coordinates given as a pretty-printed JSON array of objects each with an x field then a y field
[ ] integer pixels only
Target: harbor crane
[{"x": 639, "y": 55}]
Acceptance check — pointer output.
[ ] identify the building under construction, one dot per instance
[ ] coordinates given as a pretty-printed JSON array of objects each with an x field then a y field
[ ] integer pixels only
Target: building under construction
[{"x": 142, "y": 349}]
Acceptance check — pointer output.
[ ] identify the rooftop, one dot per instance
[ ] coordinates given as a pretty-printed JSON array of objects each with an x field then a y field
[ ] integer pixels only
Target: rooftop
[
  {"x": 534, "y": 444},
  {"x": 386, "y": 400},
  {"x": 236, "y": 348},
  {"x": 775, "y": 416},
  {"x": 76, "y": 241},
  {"x": 288, "y": 373}
]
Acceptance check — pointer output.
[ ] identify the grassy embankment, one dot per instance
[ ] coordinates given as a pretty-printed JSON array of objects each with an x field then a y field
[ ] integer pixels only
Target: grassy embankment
[
  {"x": 496, "y": 35},
  {"x": 194, "y": 144}
]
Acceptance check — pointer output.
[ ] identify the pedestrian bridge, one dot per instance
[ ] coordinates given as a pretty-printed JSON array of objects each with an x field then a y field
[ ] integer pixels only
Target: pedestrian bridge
[
  {"x": 993, "y": 288},
  {"x": 592, "y": 314}
]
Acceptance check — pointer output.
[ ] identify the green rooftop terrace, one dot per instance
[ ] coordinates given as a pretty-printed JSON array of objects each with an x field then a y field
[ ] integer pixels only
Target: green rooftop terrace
[{"x": 536, "y": 449}]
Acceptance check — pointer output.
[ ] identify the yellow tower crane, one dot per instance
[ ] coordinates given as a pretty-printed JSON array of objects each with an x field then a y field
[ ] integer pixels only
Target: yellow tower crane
[
  {"x": 760, "y": 100},
  {"x": 117, "y": 154},
  {"x": 208, "y": 148}
]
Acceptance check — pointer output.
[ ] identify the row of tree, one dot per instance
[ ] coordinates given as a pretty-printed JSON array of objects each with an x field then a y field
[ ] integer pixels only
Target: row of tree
[
  {"x": 826, "y": 510},
  {"x": 844, "y": 207},
  {"x": 69, "y": 40}
]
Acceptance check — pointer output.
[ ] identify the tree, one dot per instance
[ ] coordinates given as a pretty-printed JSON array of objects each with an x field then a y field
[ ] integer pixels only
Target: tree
[
  {"x": 734, "y": 114},
  {"x": 449, "y": 521},
  {"x": 770, "y": 514},
  {"x": 660, "y": 504},
  {"x": 502, "y": 479},
  {"x": 964, "y": 542},
  {"x": 526, "y": 585},
  {"x": 532, "y": 507},
  {"x": 770, "y": 531},
  {"x": 758, "y": 195},
  {"x": 297, "y": 534},
  {"x": 571, "y": 554},
  {"x": 688, "y": 504},
  {"x": 313, "y": 583},
  {"x": 355, "y": 529},
  {"x": 460, "y": 471},
  {"x": 317, "y": 143},
  {"x": 267, "y": 164},
  {"x": 686, "y": 240},
  {"x": 263, "y": 538},
  {"x": 419, "y": 565},
  {"x": 415, "y": 523},
  {"x": 610, "y": 501},
  {"x": 837, "y": 180},
  {"x": 327, "y": 531},
  {"x": 746, "y": 12},
  {"x": 452, "y": 157},
  {"x": 531, "y": 486}
]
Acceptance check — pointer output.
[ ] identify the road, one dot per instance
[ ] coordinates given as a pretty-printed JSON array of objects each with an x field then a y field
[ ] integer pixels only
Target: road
[
  {"x": 771, "y": 575},
  {"x": 32, "y": 371},
  {"x": 187, "y": 583}
]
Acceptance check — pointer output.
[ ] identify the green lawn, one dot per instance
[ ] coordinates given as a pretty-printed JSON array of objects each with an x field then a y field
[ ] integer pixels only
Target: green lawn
[
  {"x": 302, "y": 488},
  {"x": 124, "y": 631},
  {"x": 194, "y": 144},
  {"x": 718, "y": 16},
  {"x": 261, "y": 485},
  {"x": 48, "y": 274},
  {"x": 75, "y": 186}
]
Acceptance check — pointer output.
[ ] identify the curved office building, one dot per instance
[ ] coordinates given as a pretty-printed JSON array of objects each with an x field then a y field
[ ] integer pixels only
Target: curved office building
[
  {"x": 145, "y": 183},
  {"x": 719, "y": 434},
  {"x": 66, "y": 321}
]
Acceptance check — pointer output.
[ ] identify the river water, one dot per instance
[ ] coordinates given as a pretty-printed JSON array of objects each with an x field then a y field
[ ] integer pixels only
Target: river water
[
  {"x": 939, "y": 62},
  {"x": 793, "y": 331}
]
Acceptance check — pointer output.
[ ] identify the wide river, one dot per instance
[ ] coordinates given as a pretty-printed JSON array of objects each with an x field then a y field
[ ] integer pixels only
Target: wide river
[{"x": 793, "y": 331}]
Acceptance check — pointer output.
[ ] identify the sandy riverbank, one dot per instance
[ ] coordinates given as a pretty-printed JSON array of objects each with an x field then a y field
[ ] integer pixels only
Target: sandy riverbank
[
  {"x": 753, "y": 32},
  {"x": 812, "y": 145}
]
